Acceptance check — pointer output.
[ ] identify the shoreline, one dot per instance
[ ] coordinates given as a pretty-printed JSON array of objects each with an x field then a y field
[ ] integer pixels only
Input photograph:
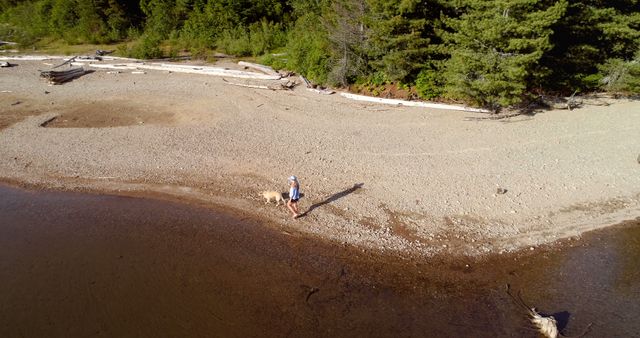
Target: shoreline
[{"x": 427, "y": 181}]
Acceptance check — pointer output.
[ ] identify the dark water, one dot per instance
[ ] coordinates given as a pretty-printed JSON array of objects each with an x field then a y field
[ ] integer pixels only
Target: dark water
[{"x": 78, "y": 265}]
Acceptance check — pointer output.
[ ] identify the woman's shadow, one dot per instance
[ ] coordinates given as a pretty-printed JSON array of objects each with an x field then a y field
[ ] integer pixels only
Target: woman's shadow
[{"x": 332, "y": 198}]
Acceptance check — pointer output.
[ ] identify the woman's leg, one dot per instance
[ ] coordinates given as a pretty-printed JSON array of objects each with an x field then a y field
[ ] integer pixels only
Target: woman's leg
[{"x": 290, "y": 206}]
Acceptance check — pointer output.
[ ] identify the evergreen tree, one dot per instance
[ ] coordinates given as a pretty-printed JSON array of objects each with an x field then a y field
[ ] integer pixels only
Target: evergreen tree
[
  {"x": 403, "y": 36},
  {"x": 588, "y": 35},
  {"x": 495, "y": 49}
]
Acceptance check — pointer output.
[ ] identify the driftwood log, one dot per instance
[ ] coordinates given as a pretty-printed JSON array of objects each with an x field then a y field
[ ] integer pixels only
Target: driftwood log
[
  {"x": 313, "y": 88},
  {"x": 413, "y": 103},
  {"x": 62, "y": 76},
  {"x": 278, "y": 86},
  {"x": 265, "y": 69}
]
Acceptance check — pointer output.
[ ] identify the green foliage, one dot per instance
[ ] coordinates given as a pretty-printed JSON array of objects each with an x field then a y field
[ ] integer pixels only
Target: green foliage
[
  {"x": 198, "y": 32},
  {"x": 622, "y": 76},
  {"x": 308, "y": 49},
  {"x": 261, "y": 37},
  {"x": 74, "y": 21},
  {"x": 378, "y": 79},
  {"x": 495, "y": 50},
  {"x": 590, "y": 33},
  {"x": 26, "y": 22},
  {"x": 146, "y": 47},
  {"x": 235, "y": 41},
  {"x": 403, "y": 36},
  {"x": 266, "y": 36},
  {"x": 161, "y": 17},
  {"x": 429, "y": 84},
  {"x": 276, "y": 61}
]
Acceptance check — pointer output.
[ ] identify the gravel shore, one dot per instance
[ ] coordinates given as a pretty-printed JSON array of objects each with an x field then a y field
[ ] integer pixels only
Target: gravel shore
[{"x": 388, "y": 178}]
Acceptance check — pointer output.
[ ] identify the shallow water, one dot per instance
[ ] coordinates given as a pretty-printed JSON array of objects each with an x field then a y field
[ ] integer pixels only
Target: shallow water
[{"x": 78, "y": 265}]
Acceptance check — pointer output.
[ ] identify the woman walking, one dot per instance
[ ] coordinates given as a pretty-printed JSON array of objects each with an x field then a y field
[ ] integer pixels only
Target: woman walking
[{"x": 294, "y": 196}]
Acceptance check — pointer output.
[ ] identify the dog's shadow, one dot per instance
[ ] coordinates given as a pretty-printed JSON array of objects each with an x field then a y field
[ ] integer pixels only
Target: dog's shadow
[{"x": 332, "y": 198}]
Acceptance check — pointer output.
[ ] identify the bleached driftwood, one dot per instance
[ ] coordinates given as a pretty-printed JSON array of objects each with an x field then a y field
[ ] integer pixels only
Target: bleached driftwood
[
  {"x": 2, "y": 43},
  {"x": 28, "y": 58},
  {"x": 413, "y": 103},
  {"x": 321, "y": 91},
  {"x": 203, "y": 70},
  {"x": 279, "y": 86},
  {"x": 265, "y": 69},
  {"x": 129, "y": 66}
]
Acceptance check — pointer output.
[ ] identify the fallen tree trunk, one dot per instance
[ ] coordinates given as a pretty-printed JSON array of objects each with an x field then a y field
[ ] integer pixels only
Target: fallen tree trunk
[
  {"x": 412, "y": 103},
  {"x": 202, "y": 70},
  {"x": 279, "y": 86}
]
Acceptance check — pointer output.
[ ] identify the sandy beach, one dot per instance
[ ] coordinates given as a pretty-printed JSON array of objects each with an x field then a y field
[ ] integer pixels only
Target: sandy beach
[{"x": 390, "y": 178}]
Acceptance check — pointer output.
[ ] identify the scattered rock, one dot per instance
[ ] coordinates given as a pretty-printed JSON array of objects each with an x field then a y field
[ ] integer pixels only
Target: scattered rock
[{"x": 501, "y": 191}]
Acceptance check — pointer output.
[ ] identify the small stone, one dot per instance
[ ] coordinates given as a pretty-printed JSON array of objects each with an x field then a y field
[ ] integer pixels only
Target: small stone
[
  {"x": 531, "y": 248},
  {"x": 501, "y": 191}
]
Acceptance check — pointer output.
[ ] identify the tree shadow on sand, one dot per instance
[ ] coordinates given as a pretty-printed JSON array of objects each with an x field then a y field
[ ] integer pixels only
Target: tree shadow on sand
[{"x": 333, "y": 198}]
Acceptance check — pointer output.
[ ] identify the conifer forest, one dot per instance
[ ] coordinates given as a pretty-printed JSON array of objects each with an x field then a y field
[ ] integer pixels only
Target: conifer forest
[{"x": 485, "y": 53}]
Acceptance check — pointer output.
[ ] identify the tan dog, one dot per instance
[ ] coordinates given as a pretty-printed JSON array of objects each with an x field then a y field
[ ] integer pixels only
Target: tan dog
[{"x": 268, "y": 195}]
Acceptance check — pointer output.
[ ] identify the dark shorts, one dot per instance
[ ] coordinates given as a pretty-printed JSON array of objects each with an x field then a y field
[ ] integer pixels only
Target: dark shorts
[{"x": 295, "y": 200}]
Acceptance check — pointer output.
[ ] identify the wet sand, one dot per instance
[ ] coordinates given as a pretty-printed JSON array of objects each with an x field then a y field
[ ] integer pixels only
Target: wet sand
[{"x": 94, "y": 265}]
